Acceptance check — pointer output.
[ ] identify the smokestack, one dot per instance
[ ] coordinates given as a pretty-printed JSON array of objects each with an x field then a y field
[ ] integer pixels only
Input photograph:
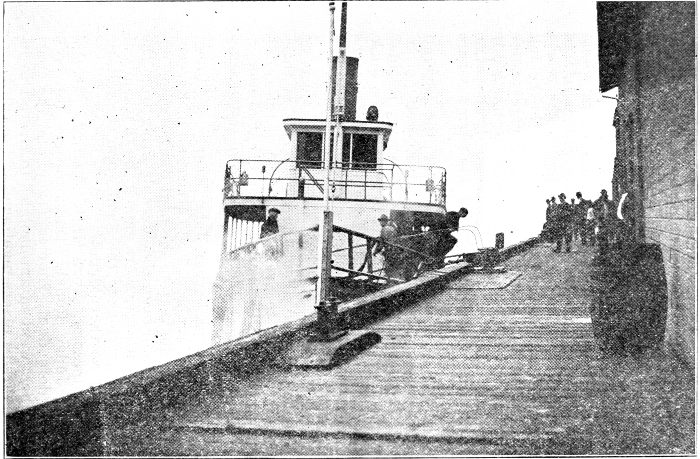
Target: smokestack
[{"x": 351, "y": 70}]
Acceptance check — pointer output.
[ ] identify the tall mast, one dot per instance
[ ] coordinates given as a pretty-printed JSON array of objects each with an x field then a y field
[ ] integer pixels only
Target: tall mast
[
  {"x": 326, "y": 225},
  {"x": 339, "y": 106},
  {"x": 329, "y": 110},
  {"x": 336, "y": 110}
]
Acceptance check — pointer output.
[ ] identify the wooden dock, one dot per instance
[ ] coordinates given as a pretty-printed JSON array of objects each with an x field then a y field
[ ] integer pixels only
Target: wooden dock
[{"x": 508, "y": 367}]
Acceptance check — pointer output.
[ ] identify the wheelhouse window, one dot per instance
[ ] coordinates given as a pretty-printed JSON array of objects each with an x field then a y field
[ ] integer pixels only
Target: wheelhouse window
[
  {"x": 359, "y": 150},
  {"x": 310, "y": 149},
  {"x": 364, "y": 151}
]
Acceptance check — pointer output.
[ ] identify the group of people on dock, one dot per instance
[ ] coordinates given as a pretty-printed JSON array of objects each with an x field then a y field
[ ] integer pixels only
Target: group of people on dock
[{"x": 592, "y": 222}]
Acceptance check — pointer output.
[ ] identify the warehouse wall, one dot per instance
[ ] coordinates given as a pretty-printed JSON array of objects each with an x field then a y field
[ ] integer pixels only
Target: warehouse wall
[{"x": 655, "y": 160}]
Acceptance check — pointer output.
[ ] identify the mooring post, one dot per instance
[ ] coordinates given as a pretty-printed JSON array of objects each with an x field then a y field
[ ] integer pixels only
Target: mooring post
[
  {"x": 326, "y": 230},
  {"x": 329, "y": 326},
  {"x": 500, "y": 241}
]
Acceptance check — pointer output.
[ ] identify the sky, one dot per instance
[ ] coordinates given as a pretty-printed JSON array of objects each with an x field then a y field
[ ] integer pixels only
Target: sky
[{"x": 119, "y": 117}]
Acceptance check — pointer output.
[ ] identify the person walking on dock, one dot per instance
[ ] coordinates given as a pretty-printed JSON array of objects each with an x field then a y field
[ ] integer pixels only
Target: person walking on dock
[
  {"x": 590, "y": 225},
  {"x": 575, "y": 228},
  {"x": 605, "y": 220},
  {"x": 553, "y": 219},
  {"x": 581, "y": 225},
  {"x": 549, "y": 229},
  {"x": 563, "y": 222},
  {"x": 546, "y": 228},
  {"x": 270, "y": 226}
]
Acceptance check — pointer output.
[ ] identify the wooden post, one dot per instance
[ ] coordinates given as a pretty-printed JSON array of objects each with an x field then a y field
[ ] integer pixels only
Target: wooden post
[
  {"x": 325, "y": 257},
  {"x": 350, "y": 254}
]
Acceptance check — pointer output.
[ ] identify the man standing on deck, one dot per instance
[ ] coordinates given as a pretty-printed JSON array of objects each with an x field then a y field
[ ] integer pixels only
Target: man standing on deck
[
  {"x": 446, "y": 241},
  {"x": 452, "y": 218},
  {"x": 270, "y": 226},
  {"x": 392, "y": 257}
]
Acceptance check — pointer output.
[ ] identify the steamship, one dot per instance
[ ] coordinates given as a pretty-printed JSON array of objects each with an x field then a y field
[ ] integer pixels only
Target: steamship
[{"x": 363, "y": 185}]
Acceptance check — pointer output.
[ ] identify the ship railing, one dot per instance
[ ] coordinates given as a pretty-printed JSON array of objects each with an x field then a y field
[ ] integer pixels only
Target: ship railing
[
  {"x": 412, "y": 262},
  {"x": 246, "y": 178}
]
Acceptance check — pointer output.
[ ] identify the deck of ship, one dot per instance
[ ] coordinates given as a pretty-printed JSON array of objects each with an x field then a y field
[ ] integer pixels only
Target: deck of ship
[{"x": 510, "y": 370}]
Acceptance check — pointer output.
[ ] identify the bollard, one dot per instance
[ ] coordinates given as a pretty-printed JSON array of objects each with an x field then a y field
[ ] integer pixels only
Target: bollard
[
  {"x": 329, "y": 324},
  {"x": 489, "y": 257},
  {"x": 500, "y": 241}
]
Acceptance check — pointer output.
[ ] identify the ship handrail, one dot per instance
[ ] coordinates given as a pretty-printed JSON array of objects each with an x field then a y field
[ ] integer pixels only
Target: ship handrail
[
  {"x": 368, "y": 184},
  {"x": 245, "y": 178},
  {"x": 341, "y": 229},
  {"x": 368, "y": 245},
  {"x": 269, "y": 186}
]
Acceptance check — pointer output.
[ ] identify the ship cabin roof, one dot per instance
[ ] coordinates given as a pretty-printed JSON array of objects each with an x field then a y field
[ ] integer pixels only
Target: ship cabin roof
[
  {"x": 363, "y": 142},
  {"x": 304, "y": 124}
]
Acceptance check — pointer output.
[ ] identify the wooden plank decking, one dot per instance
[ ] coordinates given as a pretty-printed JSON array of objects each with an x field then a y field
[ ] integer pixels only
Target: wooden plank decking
[{"x": 512, "y": 370}]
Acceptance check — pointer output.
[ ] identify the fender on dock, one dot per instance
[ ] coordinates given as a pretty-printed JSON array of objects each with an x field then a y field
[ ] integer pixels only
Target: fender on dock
[{"x": 329, "y": 354}]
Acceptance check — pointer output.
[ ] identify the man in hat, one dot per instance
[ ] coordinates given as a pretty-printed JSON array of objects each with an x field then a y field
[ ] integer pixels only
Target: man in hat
[
  {"x": 387, "y": 234},
  {"x": 444, "y": 229},
  {"x": 563, "y": 223},
  {"x": 392, "y": 256},
  {"x": 546, "y": 228},
  {"x": 581, "y": 224},
  {"x": 452, "y": 218},
  {"x": 605, "y": 219},
  {"x": 270, "y": 226}
]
